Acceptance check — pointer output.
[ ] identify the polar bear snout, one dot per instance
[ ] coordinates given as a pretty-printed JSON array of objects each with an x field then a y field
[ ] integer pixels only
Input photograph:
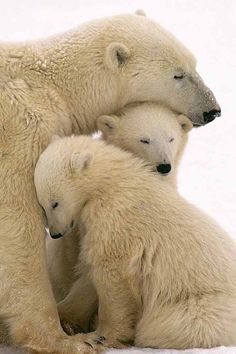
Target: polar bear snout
[
  {"x": 164, "y": 168},
  {"x": 61, "y": 231},
  {"x": 55, "y": 232},
  {"x": 55, "y": 235},
  {"x": 210, "y": 116}
]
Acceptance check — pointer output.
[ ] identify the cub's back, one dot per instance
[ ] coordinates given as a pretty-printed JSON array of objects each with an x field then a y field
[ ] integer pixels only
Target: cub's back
[{"x": 181, "y": 241}]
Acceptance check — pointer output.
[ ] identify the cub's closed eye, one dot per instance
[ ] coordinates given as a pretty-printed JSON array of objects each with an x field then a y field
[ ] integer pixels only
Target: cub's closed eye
[
  {"x": 145, "y": 141},
  {"x": 171, "y": 140},
  {"x": 178, "y": 77},
  {"x": 55, "y": 205}
]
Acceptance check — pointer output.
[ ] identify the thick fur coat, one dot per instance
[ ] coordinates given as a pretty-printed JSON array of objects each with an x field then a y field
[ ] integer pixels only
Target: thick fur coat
[
  {"x": 148, "y": 130},
  {"x": 164, "y": 272},
  {"x": 61, "y": 85}
]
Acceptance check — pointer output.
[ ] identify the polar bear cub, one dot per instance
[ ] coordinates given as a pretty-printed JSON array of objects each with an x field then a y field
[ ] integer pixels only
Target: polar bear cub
[
  {"x": 164, "y": 272},
  {"x": 150, "y": 131}
]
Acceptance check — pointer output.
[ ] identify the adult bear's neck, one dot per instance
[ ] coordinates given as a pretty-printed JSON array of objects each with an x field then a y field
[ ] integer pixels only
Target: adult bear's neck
[{"x": 76, "y": 63}]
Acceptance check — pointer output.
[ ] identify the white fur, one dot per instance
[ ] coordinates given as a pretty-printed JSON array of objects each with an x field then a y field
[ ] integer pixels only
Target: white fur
[
  {"x": 163, "y": 270},
  {"x": 125, "y": 129},
  {"x": 150, "y": 131},
  {"x": 60, "y": 85},
  {"x": 137, "y": 121}
]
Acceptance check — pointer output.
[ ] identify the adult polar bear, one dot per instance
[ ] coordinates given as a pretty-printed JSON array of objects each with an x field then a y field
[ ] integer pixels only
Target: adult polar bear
[{"x": 61, "y": 85}]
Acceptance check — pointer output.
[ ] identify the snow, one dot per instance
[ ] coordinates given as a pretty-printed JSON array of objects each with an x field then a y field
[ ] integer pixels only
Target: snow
[
  {"x": 219, "y": 350},
  {"x": 207, "y": 27}
]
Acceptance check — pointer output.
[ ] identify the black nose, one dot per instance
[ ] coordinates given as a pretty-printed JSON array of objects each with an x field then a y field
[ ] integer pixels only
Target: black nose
[
  {"x": 164, "y": 168},
  {"x": 55, "y": 236},
  {"x": 210, "y": 116}
]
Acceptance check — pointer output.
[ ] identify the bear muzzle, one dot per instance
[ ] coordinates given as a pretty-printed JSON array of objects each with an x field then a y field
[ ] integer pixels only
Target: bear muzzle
[
  {"x": 55, "y": 236},
  {"x": 210, "y": 116},
  {"x": 164, "y": 168}
]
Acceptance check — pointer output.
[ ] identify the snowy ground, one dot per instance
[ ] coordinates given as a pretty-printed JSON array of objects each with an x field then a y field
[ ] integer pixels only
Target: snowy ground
[
  {"x": 220, "y": 350},
  {"x": 207, "y": 27}
]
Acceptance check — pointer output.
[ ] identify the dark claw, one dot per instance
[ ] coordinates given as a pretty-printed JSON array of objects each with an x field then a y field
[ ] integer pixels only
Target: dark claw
[
  {"x": 89, "y": 344},
  {"x": 98, "y": 341},
  {"x": 101, "y": 338}
]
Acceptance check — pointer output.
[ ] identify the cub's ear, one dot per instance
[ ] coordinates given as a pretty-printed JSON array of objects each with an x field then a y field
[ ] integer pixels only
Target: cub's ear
[
  {"x": 107, "y": 124},
  {"x": 140, "y": 12},
  {"x": 116, "y": 55},
  {"x": 185, "y": 123},
  {"x": 54, "y": 138},
  {"x": 80, "y": 161}
]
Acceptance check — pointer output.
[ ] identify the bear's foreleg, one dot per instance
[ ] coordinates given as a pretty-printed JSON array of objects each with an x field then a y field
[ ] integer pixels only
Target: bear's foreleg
[
  {"x": 117, "y": 312},
  {"x": 26, "y": 300}
]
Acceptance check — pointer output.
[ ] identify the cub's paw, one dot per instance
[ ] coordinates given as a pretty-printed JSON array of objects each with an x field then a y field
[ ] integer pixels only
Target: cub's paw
[
  {"x": 75, "y": 346},
  {"x": 93, "y": 338}
]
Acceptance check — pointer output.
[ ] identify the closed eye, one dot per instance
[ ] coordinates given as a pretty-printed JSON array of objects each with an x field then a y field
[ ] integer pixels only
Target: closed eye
[
  {"x": 171, "y": 140},
  {"x": 178, "y": 77},
  {"x": 55, "y": 205},
  {"x": 145, "y": 141}
]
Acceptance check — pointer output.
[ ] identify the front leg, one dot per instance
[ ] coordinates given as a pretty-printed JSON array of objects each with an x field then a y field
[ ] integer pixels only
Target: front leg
[
  {"x": 117, "y": 312},
  {"x": 79, "y": 305},
  {"x": 27, "y": 305}
]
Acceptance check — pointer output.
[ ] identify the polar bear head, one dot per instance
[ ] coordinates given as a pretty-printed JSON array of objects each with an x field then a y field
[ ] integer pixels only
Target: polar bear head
[
  {"x": 150, "y": 131},
  {"x": 55, "y": 179},
  {"x": 73, "y": 172},
  {"x": 147, "y": 63}
]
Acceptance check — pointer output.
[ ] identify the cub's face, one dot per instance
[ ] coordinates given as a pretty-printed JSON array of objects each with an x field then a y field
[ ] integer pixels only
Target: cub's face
[
  {"x": 150, "y": 131},
  {"x": 55, "y": 179}
]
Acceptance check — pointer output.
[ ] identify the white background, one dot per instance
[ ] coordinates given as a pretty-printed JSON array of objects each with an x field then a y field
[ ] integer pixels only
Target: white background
[{"x": 208, "y": 28}]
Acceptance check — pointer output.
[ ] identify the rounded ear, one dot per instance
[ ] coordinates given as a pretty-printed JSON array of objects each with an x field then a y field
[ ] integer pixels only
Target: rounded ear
[
  {"x": 140, "y": 12},
  {"x": 80, "y": 161},
  {"x": 185, "y": 123},
  {"x": 54, "y": 138},
  {"x": 107, "y": 124},
  {"x": 116, "y": 55}
]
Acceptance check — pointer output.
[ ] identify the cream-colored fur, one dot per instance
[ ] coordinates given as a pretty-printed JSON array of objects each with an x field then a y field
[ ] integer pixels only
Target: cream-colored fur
[
  {"x": 149, "y": 121},
  {"x": 163, "y": 270},
  {"x": 64, "y": 272},
  {"x": 150, "y": 131},
  {"x": 141, "y": 121},
  {"x": 62, "y": 257},
  {"x": 61, "y": 85}
]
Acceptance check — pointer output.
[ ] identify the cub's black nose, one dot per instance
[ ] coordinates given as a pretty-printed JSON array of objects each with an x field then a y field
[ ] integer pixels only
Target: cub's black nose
[
  {"x": 210, "y": 116},
  {"x": 164, "y": 168},
  {"x": 55, "y": 236}
]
